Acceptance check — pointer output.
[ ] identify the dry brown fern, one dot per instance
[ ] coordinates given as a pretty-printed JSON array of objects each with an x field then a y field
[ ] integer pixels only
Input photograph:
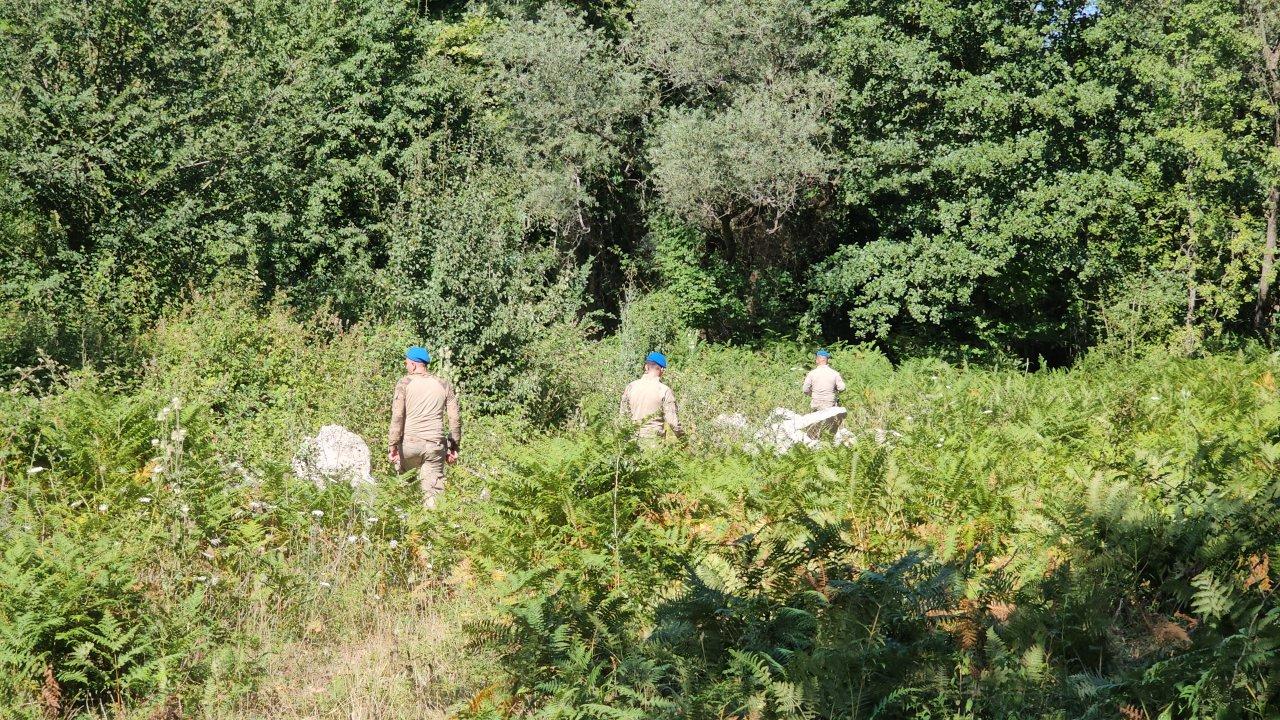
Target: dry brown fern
[
  {"x": 1130, "y": 711},
  {"x": 1168, "y": 634},
  {"x": 1001, "y": 610},
  {"x": 50, "y": 695},
  {"x": 1259, "y": 572}
]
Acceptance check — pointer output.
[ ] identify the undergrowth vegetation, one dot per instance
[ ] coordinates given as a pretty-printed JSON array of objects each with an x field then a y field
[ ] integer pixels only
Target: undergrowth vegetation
[
  {"x": 1091, "y": 542},
  {"x": 1039, "y": 239},
  {"x": 1073, "y": 544}
]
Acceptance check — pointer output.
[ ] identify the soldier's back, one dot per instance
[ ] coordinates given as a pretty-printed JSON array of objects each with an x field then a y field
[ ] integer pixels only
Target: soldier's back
[
  {"x": 645, "y": 398},
  {"x": 425, "y": 396},
  {"x": 824, "y": 382}
]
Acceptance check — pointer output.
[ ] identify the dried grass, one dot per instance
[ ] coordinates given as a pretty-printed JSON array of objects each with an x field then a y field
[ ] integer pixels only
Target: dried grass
[{"x": 370, "y": 661}]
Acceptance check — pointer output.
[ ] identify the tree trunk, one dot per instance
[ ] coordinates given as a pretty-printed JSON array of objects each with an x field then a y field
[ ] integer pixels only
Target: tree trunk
[
  {"x": 1266, "y": 29},
  {"x": 1262, "y": 311},
  {"x": 1191, "y": 302},
  {"x": 1190, "y": 251},
  {"x": 1191, "y": 293},
  {"x": 729, "y": 248}
]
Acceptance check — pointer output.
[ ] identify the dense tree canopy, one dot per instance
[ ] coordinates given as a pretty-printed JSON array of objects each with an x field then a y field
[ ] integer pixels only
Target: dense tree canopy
[{"x": 1014, "y": 177}]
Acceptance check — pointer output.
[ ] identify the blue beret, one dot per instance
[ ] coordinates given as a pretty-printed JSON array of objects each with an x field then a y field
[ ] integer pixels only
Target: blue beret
[
  {"x": 823, "y": 353},
  {"x": 656, "y": 358},
  {"x": 418, "y": 354}
]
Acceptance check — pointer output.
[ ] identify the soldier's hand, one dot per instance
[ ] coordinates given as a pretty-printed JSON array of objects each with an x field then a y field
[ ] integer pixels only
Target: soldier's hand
[{"x": 393, "y": 456}]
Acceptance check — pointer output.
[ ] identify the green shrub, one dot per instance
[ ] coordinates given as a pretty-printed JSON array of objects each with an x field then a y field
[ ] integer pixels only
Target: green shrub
[
  {"x": 272, "y": 377},
  {"x": 134, "y": 549},
  {"x": 83, "y": 591},
  {"x": 707, "y": 291},
  {"x": 995, "y": 544},
  {"x": 654, "y": 321},
  {"x": 88, "y": 608},
  {"x": 1145, "y": 310}
]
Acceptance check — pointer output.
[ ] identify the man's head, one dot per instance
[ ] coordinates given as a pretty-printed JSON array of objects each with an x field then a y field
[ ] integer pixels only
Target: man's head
[
  {"x": 416, "y": 359},
  {"x": 655, "y": 363},
  {"x": 822, "y": 357}
]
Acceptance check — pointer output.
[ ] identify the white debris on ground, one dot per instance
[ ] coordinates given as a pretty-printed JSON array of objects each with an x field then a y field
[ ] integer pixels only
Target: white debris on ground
[
  {"x": 784, "y": 429},
  {"x": 333, "y": 455},
  {"x": 844, "y": 437}
]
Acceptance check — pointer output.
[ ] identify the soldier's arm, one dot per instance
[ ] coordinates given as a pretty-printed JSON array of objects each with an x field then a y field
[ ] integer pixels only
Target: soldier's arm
[
  {"x": 455, "y": 415},
  {"x": 624, "y": 406},
  {"x": 839, "y": 382},
  {"x": 669, "y": 413},
  {"x": 395, "y": 433},
  {"x": 808, "y": 384}
]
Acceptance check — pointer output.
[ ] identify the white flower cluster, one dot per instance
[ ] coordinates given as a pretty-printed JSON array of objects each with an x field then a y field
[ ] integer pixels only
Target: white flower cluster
[{"x": 174, "y": 406}]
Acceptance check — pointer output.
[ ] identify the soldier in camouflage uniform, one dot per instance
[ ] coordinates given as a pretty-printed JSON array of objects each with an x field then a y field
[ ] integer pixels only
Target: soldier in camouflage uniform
[
  {"x": 416, "y": 439},
  {"x": 823, "y": 385},
  {"x": 649, "y": 403}
]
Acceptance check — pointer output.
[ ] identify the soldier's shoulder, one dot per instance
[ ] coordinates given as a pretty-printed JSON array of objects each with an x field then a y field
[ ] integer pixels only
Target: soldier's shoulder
[{"x": 404, "y": 380}]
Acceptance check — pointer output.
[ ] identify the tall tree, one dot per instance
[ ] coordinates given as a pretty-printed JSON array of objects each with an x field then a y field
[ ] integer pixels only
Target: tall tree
[
  {"x": 742, "y": 147},
  {"x": 104, "y": 101},
  {"x": 1264, "y": 17},
  {"x": 570, "y": 109},
  {"x": 1199, "y": 150},
  {"x": 741, "y": 151},
  {"x": 971, "y": 190}
]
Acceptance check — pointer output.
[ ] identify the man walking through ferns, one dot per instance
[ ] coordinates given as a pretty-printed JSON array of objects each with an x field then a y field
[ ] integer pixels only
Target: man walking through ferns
[
  {"x": 823, "y": 385},
  {"x": 649, "y": 403},
  {"x": 417, "y": 439}
]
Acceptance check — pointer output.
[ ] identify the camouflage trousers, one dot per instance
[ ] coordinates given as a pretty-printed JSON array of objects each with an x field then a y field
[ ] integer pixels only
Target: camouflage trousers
[{"x": 427, "y": 457}]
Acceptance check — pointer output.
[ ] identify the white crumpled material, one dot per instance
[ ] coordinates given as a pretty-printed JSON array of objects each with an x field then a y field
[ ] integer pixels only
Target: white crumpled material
[{"x": 784, "y": 429}]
